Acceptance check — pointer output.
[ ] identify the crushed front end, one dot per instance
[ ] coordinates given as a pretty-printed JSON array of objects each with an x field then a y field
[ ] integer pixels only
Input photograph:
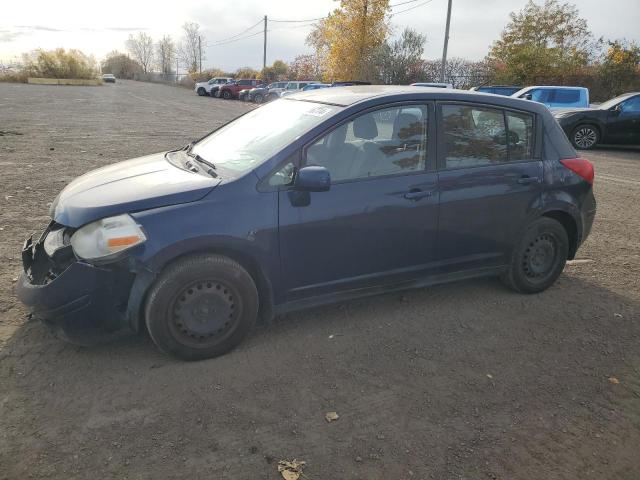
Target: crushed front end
[{"x": 82, "y": 302}]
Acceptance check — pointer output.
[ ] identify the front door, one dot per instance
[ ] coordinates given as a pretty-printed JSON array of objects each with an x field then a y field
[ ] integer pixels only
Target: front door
[
  {"x": 378, "y": 222},
  {"x": 488, "y": 184},
  {"x": 623, "y": 125}
]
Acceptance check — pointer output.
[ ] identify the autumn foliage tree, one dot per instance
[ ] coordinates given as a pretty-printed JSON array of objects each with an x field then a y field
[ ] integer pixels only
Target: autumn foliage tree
[
  {"x": 347, "y": 38},
  {"x": 305, "y": 67},
  {"x": 277, "y": 71},
  {"x": 59, "y": 63},
  {"x": 542, "y": 40}
]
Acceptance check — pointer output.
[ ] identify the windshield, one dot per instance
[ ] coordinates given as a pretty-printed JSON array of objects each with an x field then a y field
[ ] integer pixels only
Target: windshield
[
  {"x": 255, "y": 137},
  {"x": 612, "y": 102}
]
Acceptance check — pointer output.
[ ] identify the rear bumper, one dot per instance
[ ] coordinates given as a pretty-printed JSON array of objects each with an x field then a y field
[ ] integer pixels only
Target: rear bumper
[
  {"x": 588, "y": 215},
  {"x": 83, "y": 304}
]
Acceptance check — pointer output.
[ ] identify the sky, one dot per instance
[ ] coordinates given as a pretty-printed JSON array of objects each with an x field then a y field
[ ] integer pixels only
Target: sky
[{"x": 100, "y": 27}]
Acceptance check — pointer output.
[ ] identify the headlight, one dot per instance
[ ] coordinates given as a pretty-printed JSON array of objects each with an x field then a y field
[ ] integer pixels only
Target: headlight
[
  {"x": 107, "y": 237},
  {"x": 54, "y": 241}
]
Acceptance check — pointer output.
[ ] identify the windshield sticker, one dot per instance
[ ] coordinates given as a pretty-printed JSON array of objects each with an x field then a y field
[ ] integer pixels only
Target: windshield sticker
[{"x": 318, "y": 111}]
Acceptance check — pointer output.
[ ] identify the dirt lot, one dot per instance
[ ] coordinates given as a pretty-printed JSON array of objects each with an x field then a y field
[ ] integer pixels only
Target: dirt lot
[{"x": 464, "y": 381}]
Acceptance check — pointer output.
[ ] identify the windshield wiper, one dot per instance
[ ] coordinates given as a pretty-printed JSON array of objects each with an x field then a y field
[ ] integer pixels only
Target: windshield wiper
[{"x": 211, "y": 167}]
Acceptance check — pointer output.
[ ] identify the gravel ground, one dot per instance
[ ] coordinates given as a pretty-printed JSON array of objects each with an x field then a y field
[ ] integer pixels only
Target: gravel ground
[{"x": 460, "y": 381}]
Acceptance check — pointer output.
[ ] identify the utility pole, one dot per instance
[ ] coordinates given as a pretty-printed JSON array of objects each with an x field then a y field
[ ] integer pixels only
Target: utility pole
[
  {"x": 446, "y": 43},
  {"x": 200, "y": 51},
  {"x": 264, "y": 51}
]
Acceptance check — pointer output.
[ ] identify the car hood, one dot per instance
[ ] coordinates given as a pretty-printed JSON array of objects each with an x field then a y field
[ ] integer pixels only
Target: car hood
[{"x": 129, "y": 186}]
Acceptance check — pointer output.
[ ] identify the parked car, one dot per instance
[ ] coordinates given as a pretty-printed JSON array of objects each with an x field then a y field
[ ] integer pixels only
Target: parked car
[
  {"x": 205, "y": 88},
  {"x": 349, "y": 83},
  {"x": 109, "y": 78},
  {"x": 331, "y": 194},
  {"x": 232, "y": 89},
  {"x": 259, "y": 94},
  {"x": 615, "y": 121},
  {"x": 291, "y": 87},
  {"x": 556, "y": 97},
  {"x": 315, "y": 86},
  {"x": 506, "y": 90},
  {"x": 215, "y": 89},
  {"x": 431, "y": 84}
]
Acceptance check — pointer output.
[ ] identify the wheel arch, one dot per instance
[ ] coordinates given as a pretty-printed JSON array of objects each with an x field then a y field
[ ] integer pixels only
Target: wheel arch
[
  {"x": 569, "y": 224},
  {"x": 146, "y": 279}
]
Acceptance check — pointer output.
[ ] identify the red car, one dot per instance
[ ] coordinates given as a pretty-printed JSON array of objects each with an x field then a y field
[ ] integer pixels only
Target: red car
[{"x": 231, "y": 90}]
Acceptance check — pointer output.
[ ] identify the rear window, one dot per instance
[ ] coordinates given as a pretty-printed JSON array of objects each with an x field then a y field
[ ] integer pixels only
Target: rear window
[{"x": 566, "y": 96}]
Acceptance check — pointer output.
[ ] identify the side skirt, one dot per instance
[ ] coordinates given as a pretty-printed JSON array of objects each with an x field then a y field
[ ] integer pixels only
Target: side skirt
[{"x": 385, "y": 288}]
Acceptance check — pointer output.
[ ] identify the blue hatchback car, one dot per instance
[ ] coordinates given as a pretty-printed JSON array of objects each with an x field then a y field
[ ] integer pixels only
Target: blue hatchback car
[{"x": 333, "y": 194}]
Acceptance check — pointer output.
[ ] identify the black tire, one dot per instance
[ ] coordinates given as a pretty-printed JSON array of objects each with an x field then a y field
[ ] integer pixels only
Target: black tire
[
  {"x": 272, "y": 96},
  {"x": 585, "y": 137},
  {"x": 226, "y": 94},
  {"x": 258, "y": 98},
  {"x": 539, "y": 257},
  {"x": 201, "y": 307},
  {"x": 201, "y": 91}
]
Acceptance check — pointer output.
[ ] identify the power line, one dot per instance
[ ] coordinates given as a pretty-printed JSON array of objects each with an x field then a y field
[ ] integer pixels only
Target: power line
[
  {"x": 219, "y": 44},
  {"x": 238, "y": 34},
  {"x": 402, "y": 3},
  {"x": 298, "y": 21},
  {"x": 410, "y": 8}
]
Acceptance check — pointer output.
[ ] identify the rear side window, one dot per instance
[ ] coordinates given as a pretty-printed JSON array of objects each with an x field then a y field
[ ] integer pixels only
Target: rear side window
[
  {"x": 520, "y": 135},
  {"x": 566, "y": 96},
  {"x": 473, "y": 136}
]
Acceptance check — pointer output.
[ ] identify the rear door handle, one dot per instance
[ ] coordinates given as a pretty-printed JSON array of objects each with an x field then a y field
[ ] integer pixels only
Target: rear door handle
[
  {"x": 526, "y": 180},
  {"x": 416, "y": 194}
]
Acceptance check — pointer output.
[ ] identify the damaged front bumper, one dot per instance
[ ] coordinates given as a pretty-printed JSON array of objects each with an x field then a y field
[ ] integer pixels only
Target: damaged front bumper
[{"x": 83, "y": 303}]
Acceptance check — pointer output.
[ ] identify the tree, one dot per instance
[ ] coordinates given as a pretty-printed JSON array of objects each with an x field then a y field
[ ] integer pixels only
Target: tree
[
  {"x": 190, "y": 49},
  {"x": 542, "y": 40},
  {"x": 246, "y": 72},
  {"x": 278, "y": 71},
  {"x": 348, "y": 38},
  {"x": 305, "y": 67},
  {"x": 59, "y": 63},
  {"x": 401, "y": 61},
  {"x": 140, "y": 47},
  {"x": 166, "y": 54},
  {"x": 121, "y": 65},
  {"x": 620, "y": 66}
]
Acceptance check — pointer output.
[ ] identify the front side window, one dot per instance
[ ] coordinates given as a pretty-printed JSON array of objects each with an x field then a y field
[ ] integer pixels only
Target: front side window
[
  {"x": 473, "y": 136},
  {"x": 631, "y": 106},
  {"x": 390, "y": 141}
]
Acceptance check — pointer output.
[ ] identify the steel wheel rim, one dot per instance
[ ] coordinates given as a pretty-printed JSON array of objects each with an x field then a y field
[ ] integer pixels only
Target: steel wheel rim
[
  {"x": 585, "y": 137},
  {"x": 540, "y": 257},
  {"x": 204, "y": 313}
]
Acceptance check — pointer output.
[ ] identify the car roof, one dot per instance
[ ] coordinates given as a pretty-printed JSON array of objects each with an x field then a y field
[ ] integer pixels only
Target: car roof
[
  {"x": 546, "y": 87},
  {"x": 345, "y": 96}
]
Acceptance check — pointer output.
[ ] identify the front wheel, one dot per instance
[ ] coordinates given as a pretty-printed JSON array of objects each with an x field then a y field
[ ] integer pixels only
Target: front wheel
[
  {"x": 258, "y": 98},
  {"x": 201, "y": 91},
  {"x": 539, "y": 257},
  {"x": 585, "y": 137},
  {"x": 201, "y": 307}
]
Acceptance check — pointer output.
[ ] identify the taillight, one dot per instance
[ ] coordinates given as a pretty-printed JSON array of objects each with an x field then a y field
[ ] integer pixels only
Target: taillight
[{"x": 581, "y": 167}]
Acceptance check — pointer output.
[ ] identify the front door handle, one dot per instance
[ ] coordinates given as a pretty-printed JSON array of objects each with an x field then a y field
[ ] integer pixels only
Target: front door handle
[
  {"x": 526, "y": 180},
  {"x": 416, "y": 194}
]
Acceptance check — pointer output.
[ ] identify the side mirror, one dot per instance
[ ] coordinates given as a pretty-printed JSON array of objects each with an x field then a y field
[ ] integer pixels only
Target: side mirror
[
  {"x": 528, "y": 96},
  {"x": 313, "y": 178},
  {"x": 617, "y": 110}
]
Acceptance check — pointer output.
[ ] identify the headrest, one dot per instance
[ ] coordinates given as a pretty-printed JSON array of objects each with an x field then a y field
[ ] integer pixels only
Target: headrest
[{"x": 365, "y": 127}]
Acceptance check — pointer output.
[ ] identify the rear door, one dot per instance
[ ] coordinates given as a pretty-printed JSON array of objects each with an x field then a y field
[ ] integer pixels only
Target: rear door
[{"x": 488, "y": 184}]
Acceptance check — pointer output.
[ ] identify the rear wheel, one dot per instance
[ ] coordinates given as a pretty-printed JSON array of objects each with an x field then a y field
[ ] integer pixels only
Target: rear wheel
[
  {"x": 201, "y": 307},
  {"x": 539, "y": 258},
  {"x": 585, "y": 137},
  {"x": 202, "y": 92},
  {"x": 226, "y": 95},
  {"x": 258, "y": 98}
]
